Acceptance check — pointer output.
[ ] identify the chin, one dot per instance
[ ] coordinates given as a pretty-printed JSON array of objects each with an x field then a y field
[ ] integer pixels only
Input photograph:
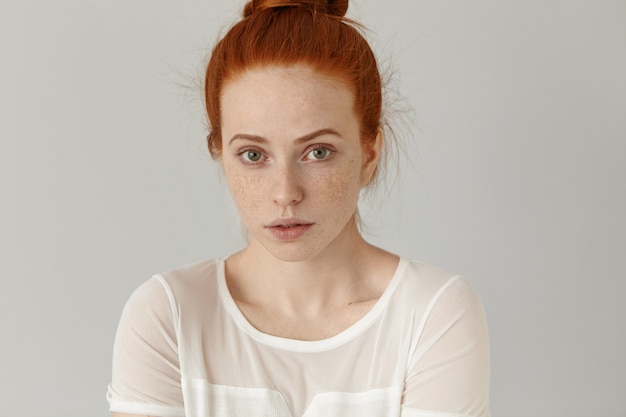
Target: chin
[
  {"x": 293, "y": 254},
  {"x": 306, "y": 248}
]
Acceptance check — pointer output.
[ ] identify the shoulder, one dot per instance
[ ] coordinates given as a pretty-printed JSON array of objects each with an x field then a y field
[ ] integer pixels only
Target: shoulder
[
  {"x": 192, "y": 273},
  {"x": 448, "y": 366},
  {"x": 429, "y": 282},
  {"x": 165, "y": 292},
  {"x": 189, "y": 281},
  {"x": 433, "y": 291}
]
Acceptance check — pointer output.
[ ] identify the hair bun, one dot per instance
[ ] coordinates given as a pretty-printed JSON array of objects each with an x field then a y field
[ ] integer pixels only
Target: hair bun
[{"x": 330, "y": 7}]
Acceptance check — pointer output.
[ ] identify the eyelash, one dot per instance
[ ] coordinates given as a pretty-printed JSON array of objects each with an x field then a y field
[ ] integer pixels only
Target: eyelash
[
  {"x": 243, "y": 152},
  {"x": 317, "y": 147}
]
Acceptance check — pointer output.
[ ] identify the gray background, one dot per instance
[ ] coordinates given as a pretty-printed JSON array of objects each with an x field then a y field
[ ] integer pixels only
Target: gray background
[{"x": 516, "y": 179}]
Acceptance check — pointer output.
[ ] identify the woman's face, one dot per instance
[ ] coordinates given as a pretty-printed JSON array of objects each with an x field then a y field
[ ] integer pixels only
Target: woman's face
[{"x": 293, "y": 159}]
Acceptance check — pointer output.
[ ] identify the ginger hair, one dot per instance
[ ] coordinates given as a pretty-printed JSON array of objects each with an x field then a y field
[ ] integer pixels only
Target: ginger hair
[{"x": 286, "y": 33}]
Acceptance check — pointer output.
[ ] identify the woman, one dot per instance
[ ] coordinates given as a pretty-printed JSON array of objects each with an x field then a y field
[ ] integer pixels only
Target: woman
[{"x": 308, "y": 319}]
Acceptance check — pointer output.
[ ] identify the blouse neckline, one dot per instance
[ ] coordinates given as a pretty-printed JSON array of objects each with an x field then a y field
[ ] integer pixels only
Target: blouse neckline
[{"x": 296, "y": 345}]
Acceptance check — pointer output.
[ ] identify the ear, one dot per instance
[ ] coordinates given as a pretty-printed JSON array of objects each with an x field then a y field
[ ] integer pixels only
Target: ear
[{"x": 371, "y": 158}]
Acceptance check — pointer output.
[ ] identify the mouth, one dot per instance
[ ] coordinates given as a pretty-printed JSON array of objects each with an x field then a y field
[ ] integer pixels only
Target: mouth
[
  {"x": 288, "y": 223},
  {"x": 289, "y": 229}
]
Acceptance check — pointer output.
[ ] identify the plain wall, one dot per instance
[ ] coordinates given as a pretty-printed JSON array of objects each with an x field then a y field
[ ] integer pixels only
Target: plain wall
[{"x": 516, "y": 179}]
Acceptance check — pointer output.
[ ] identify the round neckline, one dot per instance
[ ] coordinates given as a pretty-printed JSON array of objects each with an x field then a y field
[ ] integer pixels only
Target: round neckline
[{"x": 297, "y": 345}]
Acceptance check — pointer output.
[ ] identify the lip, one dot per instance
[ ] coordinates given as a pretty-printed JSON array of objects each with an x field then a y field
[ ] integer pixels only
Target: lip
[{"x": 289, "y": 229}]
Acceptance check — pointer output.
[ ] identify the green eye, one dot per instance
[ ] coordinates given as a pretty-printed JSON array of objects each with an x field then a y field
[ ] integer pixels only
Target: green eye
[
  {"x": 319, "y": 153},
  {"x": 252, "y": 156}
]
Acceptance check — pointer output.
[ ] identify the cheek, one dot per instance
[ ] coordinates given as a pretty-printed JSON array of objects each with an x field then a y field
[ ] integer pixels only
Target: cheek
[
  {"x": 343, "y": 185},
  {"x": 244, "y": 189}
]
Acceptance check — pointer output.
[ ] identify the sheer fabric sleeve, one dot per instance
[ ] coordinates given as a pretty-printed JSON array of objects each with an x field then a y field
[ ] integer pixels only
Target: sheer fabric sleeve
[
  {"x": 448, "y": 372},
  {"x": 146, "y": 370}
]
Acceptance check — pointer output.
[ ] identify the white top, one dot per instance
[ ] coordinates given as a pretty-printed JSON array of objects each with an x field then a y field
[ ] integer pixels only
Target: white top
[{"x": 184, "y": 349}]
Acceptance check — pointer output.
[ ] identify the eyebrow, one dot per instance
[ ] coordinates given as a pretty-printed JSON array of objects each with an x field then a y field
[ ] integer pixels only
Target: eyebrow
[{"x": 303, "y": 139}]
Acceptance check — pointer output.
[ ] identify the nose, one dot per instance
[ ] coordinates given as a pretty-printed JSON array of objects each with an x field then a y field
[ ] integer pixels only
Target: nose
[{"x": 286, "y": 188}]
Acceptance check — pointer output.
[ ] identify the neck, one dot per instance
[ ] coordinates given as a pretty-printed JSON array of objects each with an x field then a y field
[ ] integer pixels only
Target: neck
[{"x": 336, "y": 276}]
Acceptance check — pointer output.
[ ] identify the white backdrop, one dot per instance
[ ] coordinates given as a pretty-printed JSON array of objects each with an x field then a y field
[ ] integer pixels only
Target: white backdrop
[{"x": 517, "y": 180}]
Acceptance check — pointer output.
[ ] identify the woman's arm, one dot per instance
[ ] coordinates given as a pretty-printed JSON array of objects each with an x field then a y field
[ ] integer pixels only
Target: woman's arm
[
  {"x": 146, "y": 371},
  {"x": 449, "y": 369}
]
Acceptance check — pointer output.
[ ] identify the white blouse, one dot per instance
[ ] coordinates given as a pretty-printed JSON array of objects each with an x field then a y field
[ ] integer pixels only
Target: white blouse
[{"x": 184, "y": 349}]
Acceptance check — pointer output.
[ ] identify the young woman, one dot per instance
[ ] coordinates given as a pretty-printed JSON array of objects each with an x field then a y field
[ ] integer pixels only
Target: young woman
[{"x": 308, "y": 319}]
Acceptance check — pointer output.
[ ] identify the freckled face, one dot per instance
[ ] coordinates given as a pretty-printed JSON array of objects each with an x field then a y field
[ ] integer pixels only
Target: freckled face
[{"x": 293, "y": 159}]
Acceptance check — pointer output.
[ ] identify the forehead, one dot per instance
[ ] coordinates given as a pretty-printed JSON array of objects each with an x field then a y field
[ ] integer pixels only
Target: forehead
[
  {"x": 299, "y": 72},
  {"x": 295, "y": 97}
]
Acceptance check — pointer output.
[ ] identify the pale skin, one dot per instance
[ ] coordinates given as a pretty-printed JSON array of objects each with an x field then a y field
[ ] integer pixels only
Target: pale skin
[{"x": 292, "y": 154}]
